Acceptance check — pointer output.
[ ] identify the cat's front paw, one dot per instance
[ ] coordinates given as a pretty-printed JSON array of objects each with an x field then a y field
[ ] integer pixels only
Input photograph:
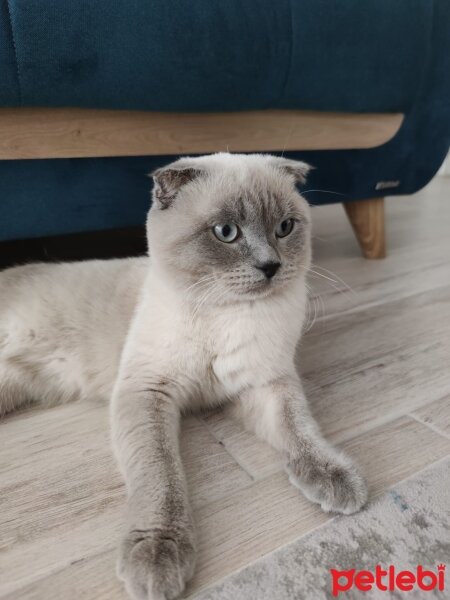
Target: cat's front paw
[
  {"x": 334, "y": 483},
  {"x": 155, "y": 564}
]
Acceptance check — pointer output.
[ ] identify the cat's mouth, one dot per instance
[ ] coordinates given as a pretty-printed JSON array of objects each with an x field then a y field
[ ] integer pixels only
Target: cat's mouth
[{"x": 262, "y": 287}]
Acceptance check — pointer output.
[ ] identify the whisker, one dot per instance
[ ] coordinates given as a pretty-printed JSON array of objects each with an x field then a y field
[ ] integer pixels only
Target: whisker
[
  {"x": 340, "y": 291},
  {"x": 215, "y": 288},
  {"x": 204, "y": 279},
  {"x": 310, "y": 318},
  {"x": 321, "y": 275},
  {"x": 339, "y": 279},
  {"x": 325, "y": 191},
  {"x": 198, "y": 287},
  {"x": 288, "y": 137},
  {"x": 314, "y": 317}
]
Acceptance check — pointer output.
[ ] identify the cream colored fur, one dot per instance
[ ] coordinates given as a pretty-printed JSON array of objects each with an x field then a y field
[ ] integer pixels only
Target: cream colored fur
[{"x": 195, "y": 324}]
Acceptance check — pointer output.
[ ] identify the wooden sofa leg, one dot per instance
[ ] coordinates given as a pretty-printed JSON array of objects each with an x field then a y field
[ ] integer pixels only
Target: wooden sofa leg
[{"x": 367, "y": 219}]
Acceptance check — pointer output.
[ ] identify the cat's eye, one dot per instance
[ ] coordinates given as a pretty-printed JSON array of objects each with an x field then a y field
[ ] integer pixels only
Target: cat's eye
[
  {"x": 227, "y": 232},
  {"x": 284, "y": 228}
]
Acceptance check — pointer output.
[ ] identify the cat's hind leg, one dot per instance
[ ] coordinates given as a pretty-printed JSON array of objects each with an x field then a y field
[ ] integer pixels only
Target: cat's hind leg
[{"x": 14, "y": 391}]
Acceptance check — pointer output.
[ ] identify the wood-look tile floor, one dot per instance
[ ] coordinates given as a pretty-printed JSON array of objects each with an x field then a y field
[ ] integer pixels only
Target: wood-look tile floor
[{"x": 376, "y": 366}]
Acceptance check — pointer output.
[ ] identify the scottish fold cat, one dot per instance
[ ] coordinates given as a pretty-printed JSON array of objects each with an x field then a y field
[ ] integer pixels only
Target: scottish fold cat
[{"x": 212, "y": 315}]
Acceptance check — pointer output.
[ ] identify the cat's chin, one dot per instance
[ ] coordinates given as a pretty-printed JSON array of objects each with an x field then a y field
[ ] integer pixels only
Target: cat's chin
[
  {"x": 259, "y": 290},
  {"x": 263, "y": 289}
]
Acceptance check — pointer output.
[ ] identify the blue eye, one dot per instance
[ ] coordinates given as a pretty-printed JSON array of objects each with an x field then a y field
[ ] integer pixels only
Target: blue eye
[
  {"x": 284, "y": 228},
  {"x": 228, "y": 232}
]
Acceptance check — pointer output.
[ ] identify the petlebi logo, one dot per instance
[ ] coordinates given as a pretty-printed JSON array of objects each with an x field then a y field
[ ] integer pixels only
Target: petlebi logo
[{"x": 387, "y": 580}]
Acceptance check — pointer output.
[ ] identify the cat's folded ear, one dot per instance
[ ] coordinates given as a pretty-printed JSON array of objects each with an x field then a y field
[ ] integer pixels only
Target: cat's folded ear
[
  {"x": 298, "y": 169},
  {"x": 170, "y": 179}
]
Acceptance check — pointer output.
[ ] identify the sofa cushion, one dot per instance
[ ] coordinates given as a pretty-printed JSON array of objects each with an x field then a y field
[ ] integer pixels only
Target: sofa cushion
[
  {"x": 200, "y": 55},
  {"x": 9, "y": 86}
]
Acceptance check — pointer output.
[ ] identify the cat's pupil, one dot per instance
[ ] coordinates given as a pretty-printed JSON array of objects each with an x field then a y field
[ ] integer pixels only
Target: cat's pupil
[{"x": 226, "y": 230}]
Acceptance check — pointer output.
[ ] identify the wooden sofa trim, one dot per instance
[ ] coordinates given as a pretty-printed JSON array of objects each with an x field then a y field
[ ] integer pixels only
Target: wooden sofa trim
[{"x": 27, "y": 133}]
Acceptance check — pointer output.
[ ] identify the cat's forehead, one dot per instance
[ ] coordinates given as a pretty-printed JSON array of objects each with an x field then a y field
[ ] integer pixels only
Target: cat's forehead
[
  {"x": 254, "y": 192},
  {"x": 250, "y": 206},
  {"x": 256, "y": 197}
]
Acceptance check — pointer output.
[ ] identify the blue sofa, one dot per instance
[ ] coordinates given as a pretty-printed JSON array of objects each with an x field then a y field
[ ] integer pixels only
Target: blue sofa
[{"x": 216, "y": 55}]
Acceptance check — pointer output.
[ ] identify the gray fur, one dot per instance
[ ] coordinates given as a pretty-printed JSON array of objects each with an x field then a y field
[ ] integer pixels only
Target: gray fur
[{"x": 195, "y": 324}]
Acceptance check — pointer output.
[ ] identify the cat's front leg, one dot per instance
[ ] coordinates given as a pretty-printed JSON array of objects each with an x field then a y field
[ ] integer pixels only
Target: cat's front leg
[
  {"x": 278, "y": 412},
  {"x": 157, "y": 554}
]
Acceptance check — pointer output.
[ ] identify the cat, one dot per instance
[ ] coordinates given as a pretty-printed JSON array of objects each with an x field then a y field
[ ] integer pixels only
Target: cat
[{"x": 213, "y": 314}]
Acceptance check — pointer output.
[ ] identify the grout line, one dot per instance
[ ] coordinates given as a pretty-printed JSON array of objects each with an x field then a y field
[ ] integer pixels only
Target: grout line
[
  {"x": 223, "y": 444},
  {"x": 382, "y": 422},
  {"x": 339, "y": 442},
  {"x": 429, "y": 465},
  {"x": 429, "y": 425},
  {"x": 374, "y": 304},
  {"x": 192, "y": 594},
  {"x": 327, "y": 522},
  {"x": 17, "y": 586}
]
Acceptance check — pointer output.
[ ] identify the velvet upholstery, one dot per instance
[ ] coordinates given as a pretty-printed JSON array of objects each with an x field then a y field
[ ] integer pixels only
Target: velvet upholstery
[
  {"x": 376, "y": 55},
  {"x": 219, "y": 55}
]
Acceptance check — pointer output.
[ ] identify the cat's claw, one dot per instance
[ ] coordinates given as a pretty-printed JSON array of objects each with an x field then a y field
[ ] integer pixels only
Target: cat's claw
[
  {"x": 156, "y": 564},
  {"x": 336, "y": 485}
]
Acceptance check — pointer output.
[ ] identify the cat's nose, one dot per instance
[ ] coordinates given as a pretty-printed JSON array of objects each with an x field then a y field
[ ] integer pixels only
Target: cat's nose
[{"x": 269, "y": 268}]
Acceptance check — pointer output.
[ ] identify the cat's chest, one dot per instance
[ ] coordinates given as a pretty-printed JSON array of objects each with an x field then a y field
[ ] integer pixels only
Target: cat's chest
[{"x": 250, "y": 348}]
